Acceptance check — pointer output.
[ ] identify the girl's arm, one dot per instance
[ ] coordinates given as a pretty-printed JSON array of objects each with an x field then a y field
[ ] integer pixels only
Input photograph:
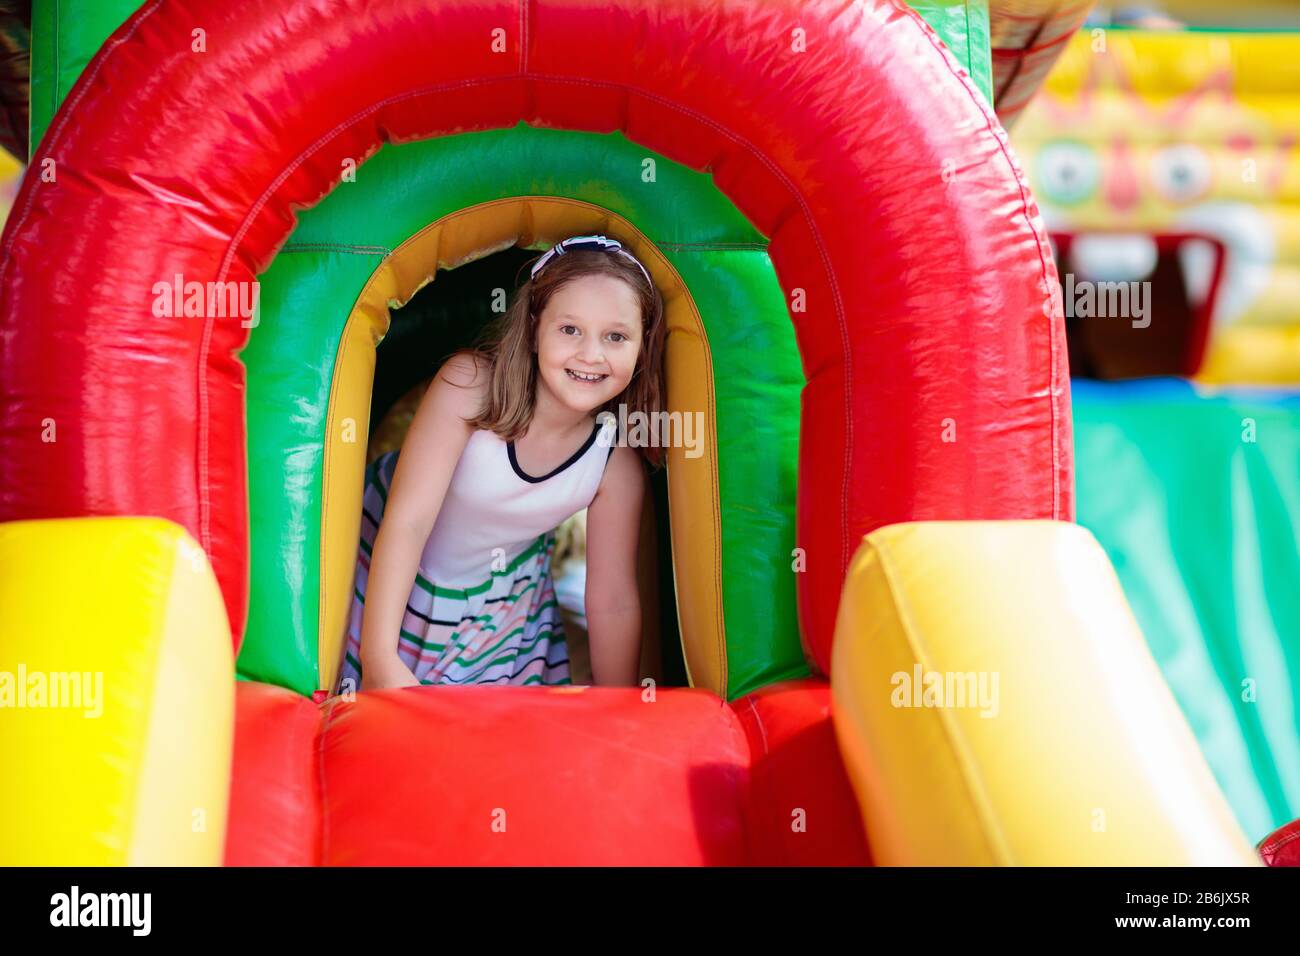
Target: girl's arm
[
  {"x": 437, "y": 436},
  {"x": 613, "y": 603}
]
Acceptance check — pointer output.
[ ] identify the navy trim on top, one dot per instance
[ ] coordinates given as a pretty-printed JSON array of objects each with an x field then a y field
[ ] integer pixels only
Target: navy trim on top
[{"x": 514, "y": 462}]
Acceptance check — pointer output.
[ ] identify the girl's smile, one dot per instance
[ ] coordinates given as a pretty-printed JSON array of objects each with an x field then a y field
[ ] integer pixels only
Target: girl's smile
[{"x": 588, "y": 341}]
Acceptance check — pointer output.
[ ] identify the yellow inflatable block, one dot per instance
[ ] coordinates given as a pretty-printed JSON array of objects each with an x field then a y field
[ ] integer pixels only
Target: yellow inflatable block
[
  {"x": 116, "y": 695},
  {"x": 996, "y": 704}
]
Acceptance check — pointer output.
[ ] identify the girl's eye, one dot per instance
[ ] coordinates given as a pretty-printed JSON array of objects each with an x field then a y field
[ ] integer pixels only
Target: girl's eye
[
  {"x": 618, "y": 336},
  {"x": 565, "y": 329}
]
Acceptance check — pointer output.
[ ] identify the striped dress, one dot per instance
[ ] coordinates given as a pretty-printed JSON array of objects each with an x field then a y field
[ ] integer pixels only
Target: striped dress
[{"x": 482, "y": 609}]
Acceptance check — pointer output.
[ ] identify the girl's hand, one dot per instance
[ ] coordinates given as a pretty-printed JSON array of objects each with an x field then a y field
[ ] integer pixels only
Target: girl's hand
[{"x": 386, "y": 672}]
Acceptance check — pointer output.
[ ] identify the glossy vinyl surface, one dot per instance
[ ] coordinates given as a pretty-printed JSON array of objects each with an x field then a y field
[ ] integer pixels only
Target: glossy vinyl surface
[
  {"x": 554, "y": 776},
  {"x": 928, "y": 304},
  {"x": 996, "y": 705}
]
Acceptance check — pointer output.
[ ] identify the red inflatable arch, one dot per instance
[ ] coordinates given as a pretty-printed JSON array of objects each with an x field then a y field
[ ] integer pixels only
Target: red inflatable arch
[{"x": 900, "y": 216}]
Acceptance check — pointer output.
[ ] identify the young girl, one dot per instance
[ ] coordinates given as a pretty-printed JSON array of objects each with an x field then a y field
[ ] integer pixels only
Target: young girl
[{"x": 508, "y": 442}]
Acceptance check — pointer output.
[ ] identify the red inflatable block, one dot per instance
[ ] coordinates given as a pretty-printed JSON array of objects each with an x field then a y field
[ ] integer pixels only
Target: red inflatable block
[
  {"x": 802, "y": 810},
  {"x": 274, "y": 817},
  {"x": 532, "y": 776}
]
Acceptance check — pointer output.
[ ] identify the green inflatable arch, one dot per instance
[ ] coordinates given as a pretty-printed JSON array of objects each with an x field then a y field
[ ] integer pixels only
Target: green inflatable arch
[{"x": 311, "y": 286}]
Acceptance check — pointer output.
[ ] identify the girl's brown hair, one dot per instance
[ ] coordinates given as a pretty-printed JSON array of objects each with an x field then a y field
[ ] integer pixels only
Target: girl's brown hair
[{"x": 508, "y": 342}]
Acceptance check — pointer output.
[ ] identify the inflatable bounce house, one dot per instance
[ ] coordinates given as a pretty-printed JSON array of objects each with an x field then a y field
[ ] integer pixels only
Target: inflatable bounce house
[
  {"x": 1172, "y": 158},
  {"x": 896, "y": 647}
]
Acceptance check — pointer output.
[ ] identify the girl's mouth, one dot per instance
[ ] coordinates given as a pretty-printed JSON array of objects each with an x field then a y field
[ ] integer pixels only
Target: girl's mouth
[{"x": 587, "y": 378}]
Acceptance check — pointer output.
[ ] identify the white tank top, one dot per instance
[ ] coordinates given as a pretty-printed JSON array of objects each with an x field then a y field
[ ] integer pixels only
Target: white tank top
[{"x": 492, "y": 503}]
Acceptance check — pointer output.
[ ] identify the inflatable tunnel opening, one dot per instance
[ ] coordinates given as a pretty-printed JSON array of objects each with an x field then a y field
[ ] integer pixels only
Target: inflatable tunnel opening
[
  {"x": 450, "y": 314},
  {"x": 430, "y": 289}
]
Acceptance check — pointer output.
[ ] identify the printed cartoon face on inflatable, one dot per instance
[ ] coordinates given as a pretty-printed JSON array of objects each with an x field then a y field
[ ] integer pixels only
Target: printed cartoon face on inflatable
[{"x": 1179, "y": 148}]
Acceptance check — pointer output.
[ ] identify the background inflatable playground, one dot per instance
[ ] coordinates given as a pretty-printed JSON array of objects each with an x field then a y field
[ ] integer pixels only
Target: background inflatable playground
[
  {"x": 1171, "y": 157},
  {"x": 875, "y": 633}
]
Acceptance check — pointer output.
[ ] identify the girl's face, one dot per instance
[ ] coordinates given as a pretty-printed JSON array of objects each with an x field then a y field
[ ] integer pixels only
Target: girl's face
[{"x": 588, "y": 340}]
